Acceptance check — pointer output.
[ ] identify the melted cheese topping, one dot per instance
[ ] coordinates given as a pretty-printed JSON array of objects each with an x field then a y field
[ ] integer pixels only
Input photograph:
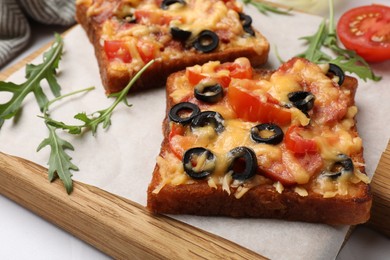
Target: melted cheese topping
[
  {"x": 153, "y": 25},
  {"x": 332, "y": 136}
]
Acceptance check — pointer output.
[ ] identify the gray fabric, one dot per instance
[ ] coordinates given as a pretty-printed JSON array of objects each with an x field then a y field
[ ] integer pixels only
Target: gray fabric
[{"x": 15, "y": 14}]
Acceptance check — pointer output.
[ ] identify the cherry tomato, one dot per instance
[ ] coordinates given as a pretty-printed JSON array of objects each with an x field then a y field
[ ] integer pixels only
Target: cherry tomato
[
  {"x": 366, "y": 30},
  {"x": 298, "y": 144},
  {"x": 117, "y": 50},
  {"x": 253, "y": 107}
]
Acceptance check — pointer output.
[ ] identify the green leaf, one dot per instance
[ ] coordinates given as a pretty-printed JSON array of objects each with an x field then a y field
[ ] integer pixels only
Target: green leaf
[
  {"x": 60, "y": 164},
  {"x": 326, "y": 38},
  {"x": 264, "y": 7},
  {"x": 104, "y": 116},
  {"x": 315, "y": 41},
  {"x": 34, "y": 75}
]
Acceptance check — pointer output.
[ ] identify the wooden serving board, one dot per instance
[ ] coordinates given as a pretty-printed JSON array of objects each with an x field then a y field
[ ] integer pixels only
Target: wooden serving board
[{"x": 103, "y": 218}]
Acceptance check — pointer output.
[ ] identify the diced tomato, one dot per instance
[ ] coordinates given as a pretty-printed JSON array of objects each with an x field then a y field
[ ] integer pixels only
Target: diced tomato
[
  {"x": 195, "y": 75},
  {"x": 147, "y": 50},
  {"x": 178, "y": 142},
  {"x": 240, "y": 68},
  {"x": 366, "y": 30},
  {"x": 298, "y": 144},
  {"x": 117, "y": 50},
  {"x": 255, "y": 108},
  {"x": 152, "y": 17},
  {"x": 232, "y": 4}
]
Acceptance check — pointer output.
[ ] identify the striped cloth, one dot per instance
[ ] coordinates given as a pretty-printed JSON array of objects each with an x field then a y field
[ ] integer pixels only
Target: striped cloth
[{"x": 14, "y": 17}]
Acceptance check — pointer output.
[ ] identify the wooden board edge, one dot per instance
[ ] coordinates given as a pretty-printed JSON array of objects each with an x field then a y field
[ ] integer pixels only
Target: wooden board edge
[
  {"x": 118, "y": 227},
  {"x": 380, "y": 212}
]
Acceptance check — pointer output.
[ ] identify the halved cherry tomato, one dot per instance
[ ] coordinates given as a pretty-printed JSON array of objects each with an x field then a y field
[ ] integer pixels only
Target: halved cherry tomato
[
  {"x": 366, "y": 30},
  {"x": 117, "y": 50},
  {"x": 255, "y": 108},
  {"x": 298, "y": 144}
]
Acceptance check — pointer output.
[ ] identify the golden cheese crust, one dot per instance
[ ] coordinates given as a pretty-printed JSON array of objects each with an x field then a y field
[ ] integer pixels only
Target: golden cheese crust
[
  {"x": 104, "y": 23},
  {"x": 264, "y": 200}
]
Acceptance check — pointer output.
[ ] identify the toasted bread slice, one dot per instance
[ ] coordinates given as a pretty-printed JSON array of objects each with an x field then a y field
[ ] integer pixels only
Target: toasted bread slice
[
  {"x": 177, "y": 34},
  {"x": 314, "y": 173}
]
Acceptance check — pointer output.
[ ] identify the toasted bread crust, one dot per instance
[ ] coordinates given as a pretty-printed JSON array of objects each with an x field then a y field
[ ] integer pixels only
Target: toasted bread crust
[
  {"x": 262, "y": 201},
  {"x": 156, "y": 75}
]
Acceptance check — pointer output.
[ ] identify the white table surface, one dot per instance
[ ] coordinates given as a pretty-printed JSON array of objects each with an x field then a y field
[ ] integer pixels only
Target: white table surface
[{"x": 23, "y": 235}]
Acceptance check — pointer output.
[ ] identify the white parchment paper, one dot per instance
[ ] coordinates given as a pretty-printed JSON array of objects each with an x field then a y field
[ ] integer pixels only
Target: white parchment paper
[{"x": 121, "y": 159}]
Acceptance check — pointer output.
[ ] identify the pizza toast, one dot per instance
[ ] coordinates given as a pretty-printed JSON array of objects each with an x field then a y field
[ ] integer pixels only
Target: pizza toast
[
  {"x": 275, "y": 144},
  {"x": 126, "y": 34}
]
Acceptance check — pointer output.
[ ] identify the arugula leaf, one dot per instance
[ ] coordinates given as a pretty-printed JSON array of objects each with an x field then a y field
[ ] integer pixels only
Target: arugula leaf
[
  {"x": 34, "y": 75},
  {"x": 60, "y": 164},
  {"x": 59, "y": 161},
  {"x": 264, "y": 8},
  {"x": 92, "y": 121},
  {"x": 326, "y": 38}
]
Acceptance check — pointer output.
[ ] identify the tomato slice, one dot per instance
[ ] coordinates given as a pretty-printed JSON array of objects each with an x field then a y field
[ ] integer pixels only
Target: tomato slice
[
  {"x": 117, "y": 50},
  {"x": 366, "y": 30},
  {"x": 296, "y": 143},
  {"x": 254, "y": 107}
]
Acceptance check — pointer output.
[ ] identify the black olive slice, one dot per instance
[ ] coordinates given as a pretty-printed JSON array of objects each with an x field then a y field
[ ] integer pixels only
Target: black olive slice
[
  {"x": 244, "y": 163},
  {"x": 211, "y": 118},
  {"x": 179, "y": 34},
  {"x": 208, "y": 92},
  {"x": 302, "y": 100},
  {"x": 178, "y": 109},
  {"x": 275, "y": 138},
  {"x": 206, "y": 41},
  {"x": 342, "y": 165},
  {"x": 193, "y": 156},
  {"x": 246, "y": 21},
  {"x": 166, "y": 3},
  {"x": 335, "y": 70}
]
